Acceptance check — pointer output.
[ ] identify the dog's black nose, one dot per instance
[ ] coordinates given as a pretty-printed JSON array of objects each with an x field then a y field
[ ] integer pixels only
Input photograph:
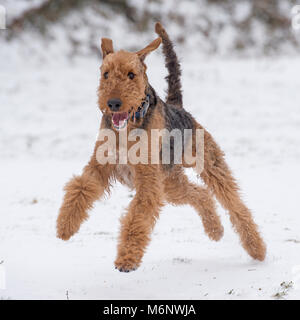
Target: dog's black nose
[{"x": 114, "y": 104}]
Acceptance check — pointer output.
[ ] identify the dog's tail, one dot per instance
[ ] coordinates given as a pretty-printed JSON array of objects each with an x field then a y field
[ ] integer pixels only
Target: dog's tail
[{"x": 171, "y": 61}]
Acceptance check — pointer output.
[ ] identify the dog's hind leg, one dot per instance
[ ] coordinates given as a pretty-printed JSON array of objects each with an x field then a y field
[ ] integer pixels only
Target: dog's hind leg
[
  {"x": 179, "y": 191},
  {"x": 81, "y": 192},
  {"x": 217, "y": 176}
]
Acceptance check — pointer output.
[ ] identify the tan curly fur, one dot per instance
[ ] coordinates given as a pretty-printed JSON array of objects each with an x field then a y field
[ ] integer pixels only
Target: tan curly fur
[{"x": 154, "y": 185}]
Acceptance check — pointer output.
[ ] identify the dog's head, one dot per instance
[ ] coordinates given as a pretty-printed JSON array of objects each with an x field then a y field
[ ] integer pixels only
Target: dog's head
[{"x": 123, "y": 82}]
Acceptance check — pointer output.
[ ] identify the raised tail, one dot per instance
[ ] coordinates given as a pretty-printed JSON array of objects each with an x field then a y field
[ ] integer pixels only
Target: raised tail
[{"x": 171, "y": 61}]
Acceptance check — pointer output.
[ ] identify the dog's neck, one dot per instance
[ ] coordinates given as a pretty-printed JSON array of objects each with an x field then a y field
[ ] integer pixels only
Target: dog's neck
[
  {"x": 152, "y": 100},
  {"x": 141, "y": 110},
  {"x": 149, "y": 100},
  {"x": 152, "y": 94}
]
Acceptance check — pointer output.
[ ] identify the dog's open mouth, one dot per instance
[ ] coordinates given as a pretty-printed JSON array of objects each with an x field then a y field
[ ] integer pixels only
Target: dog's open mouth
[{"x": 119, "y": 120}]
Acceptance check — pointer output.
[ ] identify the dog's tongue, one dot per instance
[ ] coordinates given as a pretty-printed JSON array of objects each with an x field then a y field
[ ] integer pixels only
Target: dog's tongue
[{"x": 119, "y": 117}]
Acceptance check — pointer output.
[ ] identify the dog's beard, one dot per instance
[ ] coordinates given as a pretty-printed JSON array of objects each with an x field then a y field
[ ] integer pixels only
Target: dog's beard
[{"x": 119, "y": 120}]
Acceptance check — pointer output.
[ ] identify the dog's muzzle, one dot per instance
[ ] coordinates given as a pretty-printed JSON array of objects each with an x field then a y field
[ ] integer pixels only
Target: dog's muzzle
[{"x": 119, "y": 120}]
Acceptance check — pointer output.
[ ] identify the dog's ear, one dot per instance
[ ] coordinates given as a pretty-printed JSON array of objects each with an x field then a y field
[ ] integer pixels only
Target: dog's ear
[
  {"x": 106, "y": 47},
  {"x": 151, "y": 47}
]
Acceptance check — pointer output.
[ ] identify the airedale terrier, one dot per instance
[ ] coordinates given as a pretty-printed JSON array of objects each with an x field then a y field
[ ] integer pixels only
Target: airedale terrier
[{"x": 128, "y": 100}]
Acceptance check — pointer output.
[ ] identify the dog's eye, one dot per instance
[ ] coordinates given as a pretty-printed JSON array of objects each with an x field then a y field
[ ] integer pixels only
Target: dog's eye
[
  {"x": 105, "y": 75},
  {"x": 131, "y": 75}
]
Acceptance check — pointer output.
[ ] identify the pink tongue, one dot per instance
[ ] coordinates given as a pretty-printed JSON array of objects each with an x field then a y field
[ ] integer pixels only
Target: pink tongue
[{"x": 117, "y": 117}]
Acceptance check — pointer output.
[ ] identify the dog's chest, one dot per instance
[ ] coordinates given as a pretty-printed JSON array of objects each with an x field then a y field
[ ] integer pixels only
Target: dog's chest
[{"x": 125, "y": 174}]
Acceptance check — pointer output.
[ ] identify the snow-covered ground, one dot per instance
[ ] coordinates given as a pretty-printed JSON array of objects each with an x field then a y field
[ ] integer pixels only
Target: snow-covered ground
[{"x": 48, "y": 124}]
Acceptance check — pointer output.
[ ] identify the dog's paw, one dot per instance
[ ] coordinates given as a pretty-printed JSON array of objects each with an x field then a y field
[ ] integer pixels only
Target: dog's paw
[
  {"x": 63, "y": 234},
  {"x": 126, "y": 265},
  {"x": 256, "y": 248},
  {"x": 68, "y": 224},
  {"x": 216, "y": 233},
  {"x": 65, "y": 230}
]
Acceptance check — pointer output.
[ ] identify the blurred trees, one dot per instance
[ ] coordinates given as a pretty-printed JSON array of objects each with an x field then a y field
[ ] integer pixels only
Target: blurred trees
[
  {"x": 271, "y": 17},
  {"x": 51, "y": 11}
]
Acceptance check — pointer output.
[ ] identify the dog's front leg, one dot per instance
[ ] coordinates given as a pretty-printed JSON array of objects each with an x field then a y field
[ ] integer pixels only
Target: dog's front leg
[
  {"x": 81, "y": 192},
  {"x": 137, "y": 224}
]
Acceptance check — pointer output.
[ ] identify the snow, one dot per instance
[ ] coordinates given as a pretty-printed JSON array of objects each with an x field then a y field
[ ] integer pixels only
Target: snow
[{"x": 48, "y": 125}]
